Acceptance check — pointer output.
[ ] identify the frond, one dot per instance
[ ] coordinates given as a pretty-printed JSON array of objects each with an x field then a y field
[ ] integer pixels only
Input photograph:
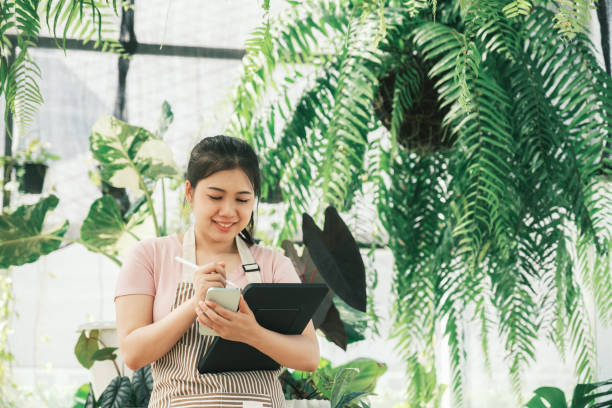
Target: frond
[
  {"x": 86, "y": 20},
  {"x": 22, "y": 92},
  {"x": 573, "y": 16}
]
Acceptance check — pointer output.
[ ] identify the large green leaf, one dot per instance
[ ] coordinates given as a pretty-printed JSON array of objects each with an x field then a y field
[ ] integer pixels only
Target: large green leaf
[
  {"x": 342, "y": 381},
  {"x": 104, "y": 227},
  {"x": 142, "y": 385},
  {"x": 130, "y": 156},
  {"x": 86, "y": 347},
  {"x": 117, "y": 394},
  {"x": 23, "y": 237},
  {"x": 104, "y": 224}
]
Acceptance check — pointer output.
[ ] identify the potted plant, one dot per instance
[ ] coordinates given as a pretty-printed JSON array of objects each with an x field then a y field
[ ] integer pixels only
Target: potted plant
[
  {"x": 31, "y": 166},
  {"x": 347, "y": 385}
]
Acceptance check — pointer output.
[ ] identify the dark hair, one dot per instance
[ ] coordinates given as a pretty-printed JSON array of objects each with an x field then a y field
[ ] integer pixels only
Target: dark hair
[{"x": 218, "y": 153}]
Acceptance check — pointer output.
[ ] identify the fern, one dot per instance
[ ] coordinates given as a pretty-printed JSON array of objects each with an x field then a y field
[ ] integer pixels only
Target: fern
[
  {"x": 478, "y": 230},
  {"x": 19, "y": 78}
]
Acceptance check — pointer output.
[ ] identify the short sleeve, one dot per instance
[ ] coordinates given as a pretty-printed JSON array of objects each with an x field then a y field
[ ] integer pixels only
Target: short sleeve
[
  {"x": 136, "y": 276},
  {"x": 283, "y": 270}
]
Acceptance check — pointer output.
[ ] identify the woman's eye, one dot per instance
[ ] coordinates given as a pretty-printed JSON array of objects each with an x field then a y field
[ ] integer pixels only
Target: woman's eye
[
  {"x": 242, "y": 201},
  {"x": 214, "y": 198}
]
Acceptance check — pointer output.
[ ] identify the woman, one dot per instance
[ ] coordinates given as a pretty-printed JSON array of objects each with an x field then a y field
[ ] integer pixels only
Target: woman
[{"x": 158, "y": 300}]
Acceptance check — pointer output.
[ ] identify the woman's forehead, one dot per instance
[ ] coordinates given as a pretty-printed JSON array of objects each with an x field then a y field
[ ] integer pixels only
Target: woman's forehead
[{"x": 234, "y": 180}]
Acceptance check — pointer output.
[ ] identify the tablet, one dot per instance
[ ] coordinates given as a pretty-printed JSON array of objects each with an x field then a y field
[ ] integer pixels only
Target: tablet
[{"x": 282, "y": 307}]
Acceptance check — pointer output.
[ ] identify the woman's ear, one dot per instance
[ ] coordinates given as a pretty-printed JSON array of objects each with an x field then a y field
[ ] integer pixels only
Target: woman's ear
[{"x": 188, "y": 192}]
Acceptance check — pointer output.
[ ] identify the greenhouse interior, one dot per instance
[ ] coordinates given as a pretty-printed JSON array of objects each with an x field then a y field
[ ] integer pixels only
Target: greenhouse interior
[{"x": 429, "y": 214}]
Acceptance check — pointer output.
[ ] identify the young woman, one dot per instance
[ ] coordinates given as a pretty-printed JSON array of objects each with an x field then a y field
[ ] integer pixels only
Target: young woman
[{"x": 159, "y": 302}]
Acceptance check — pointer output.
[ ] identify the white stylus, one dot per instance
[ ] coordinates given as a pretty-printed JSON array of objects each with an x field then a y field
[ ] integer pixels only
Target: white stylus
[{"x": 194, "y": 266}]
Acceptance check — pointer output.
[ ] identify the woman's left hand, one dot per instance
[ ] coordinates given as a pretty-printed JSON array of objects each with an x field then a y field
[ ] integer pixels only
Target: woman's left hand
[{"x": 234, "y": 326}]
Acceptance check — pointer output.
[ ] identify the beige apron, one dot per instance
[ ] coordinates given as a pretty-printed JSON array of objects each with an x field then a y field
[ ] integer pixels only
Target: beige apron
[{"x": 177, "y": 382}]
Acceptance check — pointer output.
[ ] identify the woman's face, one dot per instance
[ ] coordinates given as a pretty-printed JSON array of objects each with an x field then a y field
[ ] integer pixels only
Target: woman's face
[{"x": 222, "y": 204}]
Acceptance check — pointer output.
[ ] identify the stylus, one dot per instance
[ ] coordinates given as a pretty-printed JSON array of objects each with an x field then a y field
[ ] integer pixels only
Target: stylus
[{"x": 186, "y": 262}]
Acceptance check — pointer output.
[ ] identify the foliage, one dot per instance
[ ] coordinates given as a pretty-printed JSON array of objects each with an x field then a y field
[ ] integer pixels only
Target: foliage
[
  {"x": 585, "y": 395},
  {"x": 24, "y": 239},
  {"x": 480, "y": 138},
  {"x": 19, "y": 74},
  {"x": 345, "y": 385},
  {"x": 35, "y": 152},
  {"x": 141, "y": 159},
  {"x": 120, "y": 393}
]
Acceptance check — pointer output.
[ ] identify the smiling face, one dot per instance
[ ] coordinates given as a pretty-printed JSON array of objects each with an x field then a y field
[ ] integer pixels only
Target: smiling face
[{"x": 222, "y": 205}]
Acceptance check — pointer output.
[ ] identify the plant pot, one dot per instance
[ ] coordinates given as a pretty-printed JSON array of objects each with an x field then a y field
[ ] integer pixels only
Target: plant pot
[
  {"x": 421, "y": 129},
  {"x": 102, "y": 372},
  {"x": 33, "y": 178},
  {"x": 312, "y": 403}
]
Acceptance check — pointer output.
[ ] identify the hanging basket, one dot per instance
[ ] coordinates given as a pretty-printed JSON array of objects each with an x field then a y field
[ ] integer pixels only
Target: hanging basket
[
  {"x": 33, "y": 178},
  {"x": 421, "y": 129}
]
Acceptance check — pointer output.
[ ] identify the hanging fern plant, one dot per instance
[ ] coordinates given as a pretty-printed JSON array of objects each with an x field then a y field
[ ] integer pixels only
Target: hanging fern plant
[
  {"x": 20, "y": 25},
  {"x": 479, "y": 133}
]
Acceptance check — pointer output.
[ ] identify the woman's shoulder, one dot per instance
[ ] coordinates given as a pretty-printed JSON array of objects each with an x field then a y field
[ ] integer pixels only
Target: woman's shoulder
[
  {"x": 154, "y": 245},
  {"x": 263, "y": 253}
]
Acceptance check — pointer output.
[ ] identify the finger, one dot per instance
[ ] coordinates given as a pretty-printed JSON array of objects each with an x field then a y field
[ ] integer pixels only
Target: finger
[
  {"x": 214, "y": 277},
  {"x": 219, "y": 310},
  {"x": 243, "y": 306},
  {"x": 215, "y": 317},
  {"x": 209, "y": 268},
  {"x": 221, "y": 268},
  {"x": 203, "y": 317}
]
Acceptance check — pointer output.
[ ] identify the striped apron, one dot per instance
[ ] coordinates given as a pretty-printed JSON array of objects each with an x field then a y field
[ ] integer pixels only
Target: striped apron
[{"x": 177, "y": 382}]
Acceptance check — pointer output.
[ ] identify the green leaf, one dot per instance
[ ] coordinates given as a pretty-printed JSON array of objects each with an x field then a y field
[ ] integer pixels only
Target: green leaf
[
  {"x": 554, "y": 396},
  {"x": 342, "y": 381},
  {"x": 106, "y": 353},
  {"x": 355, "y": 321},
  {"x": 117, "y": 394},
  {"x": 130, "y": 156},
  {"x": 80, "y": 397},
  {"x": 24, "y": 238},
  {"x": 142, "y": 385},
  {"x": 165, "y": 120},
  {"x": 369, "y": 371},
  {"x": 86, "y": 347},
  {"x": 104, "y": 225}
]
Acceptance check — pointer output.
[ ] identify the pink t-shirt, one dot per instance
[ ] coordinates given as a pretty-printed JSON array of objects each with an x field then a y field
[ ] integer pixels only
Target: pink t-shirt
[{"x": 150, "y": 269}]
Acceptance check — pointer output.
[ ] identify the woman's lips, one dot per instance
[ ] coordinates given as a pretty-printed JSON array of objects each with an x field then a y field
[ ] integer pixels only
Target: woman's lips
[{"x": 223, "y": 226}]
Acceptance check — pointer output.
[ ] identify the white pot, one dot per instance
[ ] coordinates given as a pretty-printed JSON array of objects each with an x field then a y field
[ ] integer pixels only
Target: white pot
[
  {"x": 307, "y": 403},
  {"x": 102, "y": 372}
]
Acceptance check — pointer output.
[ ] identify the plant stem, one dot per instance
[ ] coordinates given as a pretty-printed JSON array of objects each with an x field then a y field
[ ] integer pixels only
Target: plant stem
[
  {"x": 113, "y": 360},
  {"x": 164, "y": 227},
  {"x": 151, "y": 207}
]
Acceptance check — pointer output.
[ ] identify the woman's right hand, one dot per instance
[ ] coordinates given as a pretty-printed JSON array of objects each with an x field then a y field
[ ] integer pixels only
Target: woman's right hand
[{"x": 211, "y": 275}]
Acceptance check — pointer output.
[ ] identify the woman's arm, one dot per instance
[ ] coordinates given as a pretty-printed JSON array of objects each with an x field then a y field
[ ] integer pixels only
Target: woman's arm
[
  {"x": 299, "y": 352},
  {"x": 141, "y": 341}
]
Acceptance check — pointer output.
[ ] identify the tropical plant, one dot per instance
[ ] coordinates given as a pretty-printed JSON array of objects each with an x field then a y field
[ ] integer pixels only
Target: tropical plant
[
  {"x": 23, "y": 19},
  {"x": 595, "y": 395},
  {"x": 483, "y": 140},
  {"x": 121, "y": 392},
  {"x": 130, "y": 157},
  {"x": 347, "y": 385}
]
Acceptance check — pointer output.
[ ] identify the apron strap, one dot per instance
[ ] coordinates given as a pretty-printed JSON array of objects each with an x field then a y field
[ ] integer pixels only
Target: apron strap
[{"x": 250, "y": 267}]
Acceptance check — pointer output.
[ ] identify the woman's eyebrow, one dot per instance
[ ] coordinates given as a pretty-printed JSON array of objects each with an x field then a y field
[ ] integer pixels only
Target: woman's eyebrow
[{"x": 223, "y": 191}]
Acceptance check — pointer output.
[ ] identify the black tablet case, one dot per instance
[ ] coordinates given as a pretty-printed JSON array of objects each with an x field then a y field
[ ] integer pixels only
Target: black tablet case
[{"x": 282, "y": 307}]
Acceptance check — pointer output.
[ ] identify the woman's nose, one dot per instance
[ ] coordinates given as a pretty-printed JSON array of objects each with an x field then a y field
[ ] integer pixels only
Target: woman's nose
[{"x": 227, "y": 207}]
